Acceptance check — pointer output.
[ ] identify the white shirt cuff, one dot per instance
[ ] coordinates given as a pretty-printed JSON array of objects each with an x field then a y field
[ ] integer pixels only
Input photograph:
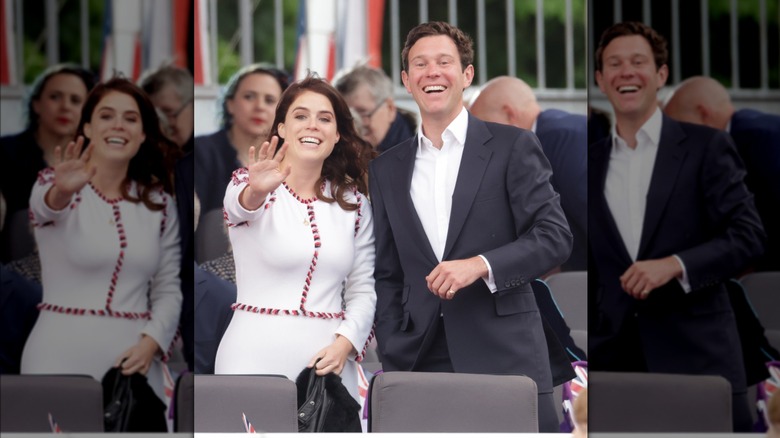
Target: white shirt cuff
[
  {"x": 490, "y": 281},
  {"x": 684, "y": 281}
]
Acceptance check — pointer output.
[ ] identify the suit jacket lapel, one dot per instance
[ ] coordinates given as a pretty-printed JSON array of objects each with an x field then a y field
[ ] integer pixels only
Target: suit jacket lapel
[
  {"x": 403, "y": 196},
  {"x": 472, "y": 168},
  {"x": 667, "y": 166},
  {"x": 599, "y": 163}
]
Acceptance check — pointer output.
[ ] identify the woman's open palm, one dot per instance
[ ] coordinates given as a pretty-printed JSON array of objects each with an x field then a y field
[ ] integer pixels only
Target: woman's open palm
[
  {"x": 72, "y": 171},
  {"x": 265, "y": 173}
]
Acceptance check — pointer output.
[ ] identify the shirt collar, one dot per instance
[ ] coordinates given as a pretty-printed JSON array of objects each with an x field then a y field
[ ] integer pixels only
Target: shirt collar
[
  {"x": 457, "y": 129},
  {"x": 651, "y": 129}
]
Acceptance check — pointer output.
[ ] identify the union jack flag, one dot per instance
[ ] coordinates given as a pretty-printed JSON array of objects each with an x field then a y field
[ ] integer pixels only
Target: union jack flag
[
  {"x": 247, "y": 425},
  {"x": 55, "y": 428}
]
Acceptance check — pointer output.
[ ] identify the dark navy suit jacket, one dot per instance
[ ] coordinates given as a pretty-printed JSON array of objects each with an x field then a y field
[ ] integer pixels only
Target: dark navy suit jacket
[
  {"x": 503, "y": 208},
  {"x": 215, "y": 161},
  {"x": 185, "y": 203},
  {"x": 564, "y": 139},
  {"x": 757, "y": 136},
  {"x": 18, "y": 313},
  {"x": 698, "y": 208},
  {"x": 213, "y": 297}
]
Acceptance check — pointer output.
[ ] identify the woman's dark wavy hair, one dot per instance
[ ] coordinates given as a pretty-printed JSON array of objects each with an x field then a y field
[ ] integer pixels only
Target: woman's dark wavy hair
[
  {"x": 40, "y": 83},
  {"x": 152, "y": 166},
  {"x": 281, "y": 77},
  {"x": 347, "y": 166}
]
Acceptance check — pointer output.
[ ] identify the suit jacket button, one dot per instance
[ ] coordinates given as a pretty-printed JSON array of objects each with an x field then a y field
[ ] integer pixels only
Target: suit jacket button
[{"x": 507, "y": 284}]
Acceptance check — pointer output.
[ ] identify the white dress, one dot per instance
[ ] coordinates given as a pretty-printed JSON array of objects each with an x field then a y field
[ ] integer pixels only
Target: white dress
[
  {"x": 110, "y": 272},
  {"x": 305, "y": 272}
]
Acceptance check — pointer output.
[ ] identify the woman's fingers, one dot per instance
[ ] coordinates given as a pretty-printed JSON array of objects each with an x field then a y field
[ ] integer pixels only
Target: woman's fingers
[
  {"x": 87, "y": 152},
  {"x": 283, "y": 150}
]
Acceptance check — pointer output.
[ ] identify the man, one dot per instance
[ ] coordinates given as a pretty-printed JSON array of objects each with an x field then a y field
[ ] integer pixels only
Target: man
[
  {"x": 170, "y": 89},
  {"x": 369, "y": 92},
  {"x": 670, "y": 220},
  {"x": 564, "y": 139},
  {"x": 464, "y": 218},
  {"x": 705, "y": 101}
]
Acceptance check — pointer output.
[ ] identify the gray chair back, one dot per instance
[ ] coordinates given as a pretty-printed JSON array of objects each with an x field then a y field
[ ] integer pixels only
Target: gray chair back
[
  {"x": 185, "y": 403},
  {"x": 269, "y": 402},
  {"x": 763, "y": 292},
  {"x": 651, "y": 402},
  {"x": 570, "y": 290},
  {"x": 75, "y": 403},
  {"x": 403, "y": 401}
]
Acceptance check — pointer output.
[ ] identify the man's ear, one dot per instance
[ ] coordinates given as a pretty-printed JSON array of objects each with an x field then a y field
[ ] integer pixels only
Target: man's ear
[
  {"x": 469, "y": 74},
  {"x": 598, "y": 81},
  {"x": 511, "y": 115},
  {"x": 405, "y": 80},
  {"x": 704, "y": 114},
  {"x": 663, "y": 75}
]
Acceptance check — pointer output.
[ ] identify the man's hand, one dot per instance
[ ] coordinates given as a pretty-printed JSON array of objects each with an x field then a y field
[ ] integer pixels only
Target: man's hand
[
  {"x": 447, "y": 278},
  {"x": 642, "y": 277}
]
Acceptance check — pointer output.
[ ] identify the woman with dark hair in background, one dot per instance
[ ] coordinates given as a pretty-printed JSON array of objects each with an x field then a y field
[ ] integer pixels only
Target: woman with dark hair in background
[
  {"x": 106, "y": 228},
  {"x": 53, "y": 108},
  {"x": 247, "y": 106},
  {"x": 303, "y": 241}
]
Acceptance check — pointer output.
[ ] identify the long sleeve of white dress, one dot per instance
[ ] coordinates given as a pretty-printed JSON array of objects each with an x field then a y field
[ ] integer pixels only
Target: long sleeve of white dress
[
  {"x": 165, "y": 294},
  {"x": 359, "y": 292}
]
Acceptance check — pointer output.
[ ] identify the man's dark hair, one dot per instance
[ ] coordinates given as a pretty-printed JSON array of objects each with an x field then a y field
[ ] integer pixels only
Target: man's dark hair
[
  {"x": 462, "y": 41},
  {"x": 627, "y": 28}
]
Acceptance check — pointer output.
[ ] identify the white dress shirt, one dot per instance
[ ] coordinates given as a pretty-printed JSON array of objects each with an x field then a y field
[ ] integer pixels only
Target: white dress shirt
[
  {"x": 433, "y": 184},
  {"x": 628, "y": 180}
]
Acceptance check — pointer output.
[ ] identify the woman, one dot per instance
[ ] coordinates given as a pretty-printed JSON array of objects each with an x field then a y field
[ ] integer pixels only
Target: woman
[
  {"x": 106, "y": 227},
  {"x": 53, "y": 109},
  {"x": 248, "y": 108},
  {"x": 302, "y": 236}
]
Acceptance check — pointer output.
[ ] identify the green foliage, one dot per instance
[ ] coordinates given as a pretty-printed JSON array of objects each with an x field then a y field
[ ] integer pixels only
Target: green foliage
[
  {"x": 34, "y": 61},
  {"x": 228, "y": 60}
]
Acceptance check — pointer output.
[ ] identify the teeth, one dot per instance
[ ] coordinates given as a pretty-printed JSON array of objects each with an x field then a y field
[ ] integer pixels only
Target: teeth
[
  {"x": 430, "y": 88},
  {"x": 311, "y": 140},
  {"x": 116, "y": 140},
  {"x": 627, "y": 88}
]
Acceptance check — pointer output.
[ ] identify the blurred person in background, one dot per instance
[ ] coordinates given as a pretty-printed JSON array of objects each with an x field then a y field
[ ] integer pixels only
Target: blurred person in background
[
  {"x": 19, "y": 298},
  {"x": 704, "y": 101},
  {"x": 107, "y": 229},
  {"x": 369, "y": 92},
  {"x": 248, "y": 106},
  {"x": 170, "y": 89},
  {"x": 563, "y": 136},
  {"x": 53, "y": 108}
]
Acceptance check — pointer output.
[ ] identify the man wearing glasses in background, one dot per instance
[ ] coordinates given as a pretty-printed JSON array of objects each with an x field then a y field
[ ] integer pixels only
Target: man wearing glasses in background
[
  {"x": 369, "y": 92},
  {"x": 170, "y": 89}
]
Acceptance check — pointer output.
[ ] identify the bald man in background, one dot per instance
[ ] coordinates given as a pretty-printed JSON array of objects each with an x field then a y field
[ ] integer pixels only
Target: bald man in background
[
  {"x": 704, "y": 101},
  {"x": 564, "y": 139}
]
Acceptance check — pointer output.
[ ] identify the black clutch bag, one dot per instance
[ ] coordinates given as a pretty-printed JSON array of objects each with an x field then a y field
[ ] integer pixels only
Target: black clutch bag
[
  {"x": 325, "y": 405},
  {"x": 130, "y": 404}
]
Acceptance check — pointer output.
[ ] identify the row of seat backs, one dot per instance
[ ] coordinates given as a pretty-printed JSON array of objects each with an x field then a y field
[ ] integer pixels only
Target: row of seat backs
[{"x": 399, "y": 402}]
